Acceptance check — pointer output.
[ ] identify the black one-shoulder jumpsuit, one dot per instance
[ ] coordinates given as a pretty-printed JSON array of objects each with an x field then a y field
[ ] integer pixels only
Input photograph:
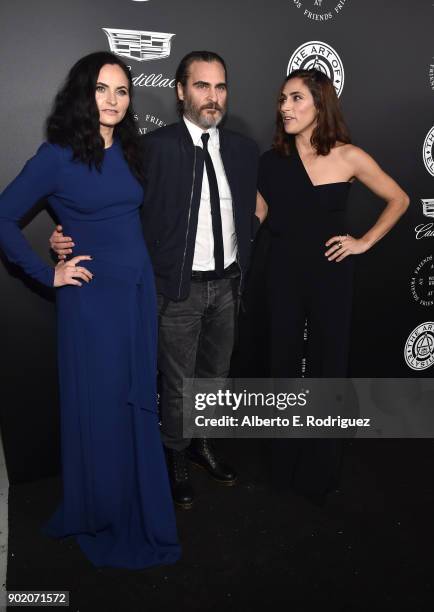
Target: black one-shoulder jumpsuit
[{"x": 303, "y": 286}]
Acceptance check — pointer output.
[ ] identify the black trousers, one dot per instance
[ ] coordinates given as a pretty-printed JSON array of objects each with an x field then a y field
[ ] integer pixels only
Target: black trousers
[
  {"x": 196, "y": 339},
  {"x": 323, "y": 296}
]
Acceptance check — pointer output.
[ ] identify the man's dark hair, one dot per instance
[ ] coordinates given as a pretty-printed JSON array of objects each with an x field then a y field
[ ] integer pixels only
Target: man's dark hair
[{"x": 182, "y": 71}]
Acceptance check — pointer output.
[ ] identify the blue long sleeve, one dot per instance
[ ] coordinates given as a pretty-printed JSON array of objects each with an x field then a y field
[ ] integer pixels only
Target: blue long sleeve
[{"x": 37, "y": 179}]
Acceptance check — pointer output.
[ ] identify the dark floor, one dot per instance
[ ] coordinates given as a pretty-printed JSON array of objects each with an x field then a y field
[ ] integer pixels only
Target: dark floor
[{"x": 249, "y": 548}]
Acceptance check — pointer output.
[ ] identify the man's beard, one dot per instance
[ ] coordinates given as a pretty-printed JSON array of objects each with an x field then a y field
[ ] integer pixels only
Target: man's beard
[{"x": 206, "y": 121}]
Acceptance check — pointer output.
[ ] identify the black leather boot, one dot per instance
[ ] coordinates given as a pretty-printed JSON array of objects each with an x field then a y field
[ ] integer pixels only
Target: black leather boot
[
  {"x": 201, "y": 453},
  {"x": 179, "y": 475}
]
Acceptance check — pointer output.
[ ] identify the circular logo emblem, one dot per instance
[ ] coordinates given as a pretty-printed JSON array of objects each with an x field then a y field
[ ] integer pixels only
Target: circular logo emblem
[
  {"x": 148, "y": 122},
  {"x": 319, "y": 10},
  {"x": 428, "y": 151},
  {"x": 419, "y": 348},
  {"x": 431, "y": 75},
  {"x": 422, "y": 282},
  {"x": 319, "y": 55}
]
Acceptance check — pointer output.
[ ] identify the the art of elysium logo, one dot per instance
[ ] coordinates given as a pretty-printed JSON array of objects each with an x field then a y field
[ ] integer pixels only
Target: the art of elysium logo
[
  {"x": 139, "y": 45},
  {"x": 320, "y": 10},
  {"x": 428, "y": 151},
  {"x": 319, "y": 55},
  {"x": 419, "y": 348},
  {"x": 148, "y": 123},
  {"x": 422, "y": 282}
]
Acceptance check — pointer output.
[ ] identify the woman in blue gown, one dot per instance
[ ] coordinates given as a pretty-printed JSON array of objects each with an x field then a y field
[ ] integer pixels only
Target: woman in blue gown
[{"x": 116, "y": 496}]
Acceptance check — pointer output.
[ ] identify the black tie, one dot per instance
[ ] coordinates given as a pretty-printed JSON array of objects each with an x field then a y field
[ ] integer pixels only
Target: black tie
[{"x": 215, "y": 208}]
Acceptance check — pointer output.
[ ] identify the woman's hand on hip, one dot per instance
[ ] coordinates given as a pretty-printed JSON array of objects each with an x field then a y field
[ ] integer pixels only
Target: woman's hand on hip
[
  {"x": 342, "y": 246},
  {"x": 68, "y": 272}
]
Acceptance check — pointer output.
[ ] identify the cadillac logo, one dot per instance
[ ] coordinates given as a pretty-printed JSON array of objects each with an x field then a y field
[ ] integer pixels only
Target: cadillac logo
[
  {"x": 319, "y": 55},
  {"x": 139, "y": 45},
  {"x": 428, "y": 208}
]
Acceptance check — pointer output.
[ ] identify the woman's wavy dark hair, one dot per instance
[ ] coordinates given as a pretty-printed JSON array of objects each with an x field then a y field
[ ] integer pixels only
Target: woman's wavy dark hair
[
  {"x": 74, "y": 119},
  {"x": 331, "y": 126}
]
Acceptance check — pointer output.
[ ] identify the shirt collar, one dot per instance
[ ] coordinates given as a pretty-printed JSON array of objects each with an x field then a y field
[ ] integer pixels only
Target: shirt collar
[{"x": 196, "y": 133}]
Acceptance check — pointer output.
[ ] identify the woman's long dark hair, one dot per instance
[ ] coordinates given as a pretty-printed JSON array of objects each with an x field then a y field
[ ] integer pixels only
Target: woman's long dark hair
[
  {"x": 74, "y": 119},
  {"x": 331, "y": 126}
]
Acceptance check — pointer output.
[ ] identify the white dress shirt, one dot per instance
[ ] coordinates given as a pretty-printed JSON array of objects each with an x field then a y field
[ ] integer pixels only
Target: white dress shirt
[{"x": 204, "y": 248}]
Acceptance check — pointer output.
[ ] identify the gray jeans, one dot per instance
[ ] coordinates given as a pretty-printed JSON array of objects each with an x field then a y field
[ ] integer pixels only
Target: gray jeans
[{"x": 196, "y": 339}]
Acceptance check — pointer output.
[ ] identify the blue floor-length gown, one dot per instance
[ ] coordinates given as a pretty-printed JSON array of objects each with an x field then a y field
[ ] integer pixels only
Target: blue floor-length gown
[{"x": 116, "y": 495}]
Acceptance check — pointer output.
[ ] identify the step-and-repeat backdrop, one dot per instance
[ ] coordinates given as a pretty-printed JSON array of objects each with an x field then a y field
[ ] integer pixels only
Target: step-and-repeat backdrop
[{"x": 380, "y": 57}]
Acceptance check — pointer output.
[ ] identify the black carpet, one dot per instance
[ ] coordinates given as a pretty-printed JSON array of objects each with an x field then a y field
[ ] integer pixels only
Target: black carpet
[{"x": 370, "y": 547}]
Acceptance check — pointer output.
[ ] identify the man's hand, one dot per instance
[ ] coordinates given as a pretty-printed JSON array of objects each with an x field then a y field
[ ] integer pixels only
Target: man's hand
[{"x": 61, "y": 245}]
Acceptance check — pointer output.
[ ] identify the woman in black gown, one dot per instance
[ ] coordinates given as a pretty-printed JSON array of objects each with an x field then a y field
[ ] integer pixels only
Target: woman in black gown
[{"x": 304, "y": 183}]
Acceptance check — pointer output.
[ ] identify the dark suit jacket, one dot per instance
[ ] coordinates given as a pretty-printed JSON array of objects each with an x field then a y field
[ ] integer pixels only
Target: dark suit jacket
[{"x": 174, "y": 170}]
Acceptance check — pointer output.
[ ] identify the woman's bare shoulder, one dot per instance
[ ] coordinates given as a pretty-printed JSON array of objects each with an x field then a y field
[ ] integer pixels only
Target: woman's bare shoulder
[
  {"x": 349, "y": 152},
  {"x": 354, "y": 157}
]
